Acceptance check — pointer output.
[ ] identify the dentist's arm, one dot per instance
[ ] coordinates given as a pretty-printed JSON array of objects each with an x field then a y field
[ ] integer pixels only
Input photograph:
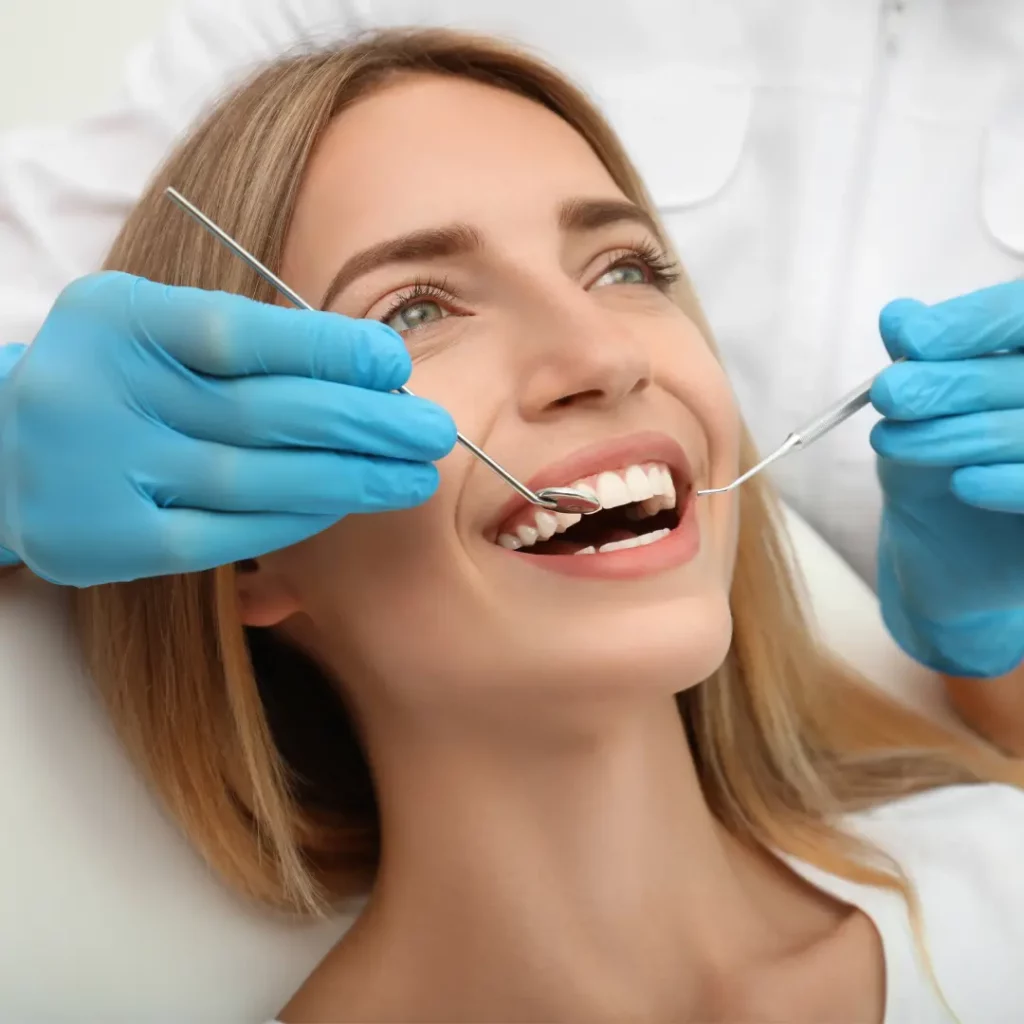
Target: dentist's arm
[
  {"x": 994, "y": 708},
  {"x": 951, "y": 447}
]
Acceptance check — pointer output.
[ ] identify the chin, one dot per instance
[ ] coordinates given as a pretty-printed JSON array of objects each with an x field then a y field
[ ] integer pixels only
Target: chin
[{"x": 662, "y": 649}]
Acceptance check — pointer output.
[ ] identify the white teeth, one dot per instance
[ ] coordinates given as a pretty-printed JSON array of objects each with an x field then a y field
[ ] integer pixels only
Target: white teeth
[
  {"x": 664, "y": 489},
  {"x": 547, "y": 524},
  {"x": 668, "y": 493},
  {"x": 618, "y": 545},
  {"x": 646, "y": 489},
  {"x": 639, "y": 484},
  {"x": 635, "y": 542},
  {"x": 655, "y": 536},
  {"x": 586, "y": 551},
  {"x": 612, "y": 490},
  {"x": 528, "y": 535},
  {"x": 649, "y": 486},
  {"x": 567, "y": 519}
]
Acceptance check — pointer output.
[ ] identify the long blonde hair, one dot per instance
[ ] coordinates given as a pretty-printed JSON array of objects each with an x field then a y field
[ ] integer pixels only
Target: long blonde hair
[{"x": 227, "y": 723}]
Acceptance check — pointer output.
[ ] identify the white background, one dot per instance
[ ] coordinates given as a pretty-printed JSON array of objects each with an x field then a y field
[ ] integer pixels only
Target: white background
[{"x": 60, "y": 59}]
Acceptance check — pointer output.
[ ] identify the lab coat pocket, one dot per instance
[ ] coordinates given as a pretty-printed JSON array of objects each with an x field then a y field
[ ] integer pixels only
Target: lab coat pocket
[
  {"x": 683, "y": 126},
  {"x": 1002, "y": 174}
]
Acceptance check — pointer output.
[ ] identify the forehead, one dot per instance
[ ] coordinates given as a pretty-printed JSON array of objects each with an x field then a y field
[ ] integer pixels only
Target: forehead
[{"x": 427, "y": 150}]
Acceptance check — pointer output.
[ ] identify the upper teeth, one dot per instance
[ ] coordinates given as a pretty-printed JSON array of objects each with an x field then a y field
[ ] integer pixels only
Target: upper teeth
[{"x": 650, "y": 484}]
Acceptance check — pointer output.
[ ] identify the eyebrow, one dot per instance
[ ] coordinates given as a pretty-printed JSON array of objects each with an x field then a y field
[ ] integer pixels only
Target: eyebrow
[
  {"x": 579, "y": 215},
  {"x": 574, "y": 216}
]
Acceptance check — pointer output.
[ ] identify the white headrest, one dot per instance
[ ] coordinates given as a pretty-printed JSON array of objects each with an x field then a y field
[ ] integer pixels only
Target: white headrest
[{"x": 109, "y": 916}]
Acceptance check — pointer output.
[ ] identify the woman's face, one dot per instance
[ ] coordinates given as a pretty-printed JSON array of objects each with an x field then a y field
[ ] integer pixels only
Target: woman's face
[{"x": 541, "y": 323}]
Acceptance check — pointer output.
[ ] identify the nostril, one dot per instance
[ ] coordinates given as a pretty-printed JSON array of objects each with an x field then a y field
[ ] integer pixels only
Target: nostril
[{"x": 579, "y": 396}]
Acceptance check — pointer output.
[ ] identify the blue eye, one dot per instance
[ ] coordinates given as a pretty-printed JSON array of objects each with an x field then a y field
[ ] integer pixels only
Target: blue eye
[
  {"x": 415, "y": 314},
  {"x": 622, "y": 273},
  {"x": 642, "y": 263}
]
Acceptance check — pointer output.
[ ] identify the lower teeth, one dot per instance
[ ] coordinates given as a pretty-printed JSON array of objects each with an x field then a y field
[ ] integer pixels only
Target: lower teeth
[{"x": 633, "y": 542}]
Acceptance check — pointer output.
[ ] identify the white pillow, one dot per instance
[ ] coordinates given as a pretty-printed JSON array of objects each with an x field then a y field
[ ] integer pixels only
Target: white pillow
[{"x": 106, "y": 913}]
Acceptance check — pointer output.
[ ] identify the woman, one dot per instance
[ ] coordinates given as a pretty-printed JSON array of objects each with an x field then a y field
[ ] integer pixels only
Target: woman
[{"x": 587, "y": 770}]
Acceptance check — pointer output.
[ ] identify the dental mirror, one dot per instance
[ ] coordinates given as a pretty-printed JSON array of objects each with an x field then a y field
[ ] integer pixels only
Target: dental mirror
[{"x": 567, "y": 500}]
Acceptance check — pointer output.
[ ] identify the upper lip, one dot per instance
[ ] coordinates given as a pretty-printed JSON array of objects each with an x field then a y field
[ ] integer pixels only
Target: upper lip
[{"x": 618, "y": 453}]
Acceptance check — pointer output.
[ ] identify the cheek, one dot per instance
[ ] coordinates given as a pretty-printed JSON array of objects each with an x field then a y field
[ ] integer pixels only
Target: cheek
[
  {"x": 710, "y": 395},
  {"x": 692, "y": 373},
  {"x": 694, "y": 376},
  {"x": 382, "y": 591},
  {"x": 465, "y": 367},
  {"x": 367, "y": 567},
  {"x": 723, "y": 510},
  {"x": 394, "y": 596}
]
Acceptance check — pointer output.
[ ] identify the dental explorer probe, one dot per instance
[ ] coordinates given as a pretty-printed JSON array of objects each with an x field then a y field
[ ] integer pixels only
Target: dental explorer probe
[
  {"x": 558, "y": 499},
  {"x": 803, "y": 437}
]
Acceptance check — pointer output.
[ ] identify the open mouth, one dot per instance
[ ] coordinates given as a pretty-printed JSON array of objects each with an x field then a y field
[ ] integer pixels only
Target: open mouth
[{"x": 641, "y": 504}]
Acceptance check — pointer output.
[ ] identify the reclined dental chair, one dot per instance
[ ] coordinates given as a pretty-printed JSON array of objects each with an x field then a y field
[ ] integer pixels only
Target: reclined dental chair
[{"x": 107, "y": 915}]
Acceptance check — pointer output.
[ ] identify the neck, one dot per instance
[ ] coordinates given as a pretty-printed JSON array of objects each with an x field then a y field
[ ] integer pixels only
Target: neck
[{"x": 555, "y": 876}]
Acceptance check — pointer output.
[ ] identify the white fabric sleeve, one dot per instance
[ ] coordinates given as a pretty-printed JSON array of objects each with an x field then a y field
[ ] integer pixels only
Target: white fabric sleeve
[{"x": 65, "y": 190}]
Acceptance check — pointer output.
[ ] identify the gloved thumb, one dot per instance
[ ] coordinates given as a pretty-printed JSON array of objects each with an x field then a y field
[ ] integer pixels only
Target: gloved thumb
[
  {"x": 9, "y": 355},
  {"x": 894, "y": 323}
]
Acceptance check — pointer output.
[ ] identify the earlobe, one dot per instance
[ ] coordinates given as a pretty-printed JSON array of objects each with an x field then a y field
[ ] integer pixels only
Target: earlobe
[{"x": 264, "y": 596}]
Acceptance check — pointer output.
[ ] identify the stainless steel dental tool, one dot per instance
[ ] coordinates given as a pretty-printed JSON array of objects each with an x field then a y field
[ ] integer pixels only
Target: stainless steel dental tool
[
  {"x": 559, "y": 499},
  {"x": 803, "y": 437}
]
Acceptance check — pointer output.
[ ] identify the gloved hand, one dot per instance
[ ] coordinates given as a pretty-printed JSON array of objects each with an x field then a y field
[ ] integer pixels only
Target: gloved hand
[
  {"x": 951, "y": 552},
  {"x": 151, "y": 430}
]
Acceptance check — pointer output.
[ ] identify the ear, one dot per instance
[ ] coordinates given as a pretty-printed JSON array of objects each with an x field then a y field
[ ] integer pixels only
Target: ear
[{"x": 265, "y": 597}]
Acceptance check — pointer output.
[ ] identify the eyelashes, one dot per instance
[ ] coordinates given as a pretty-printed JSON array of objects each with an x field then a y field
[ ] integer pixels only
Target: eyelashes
[
  {"x": 663, "y": 270},
  {"x": 416, "y": 292},
  {"x": 660, "y": 269}
]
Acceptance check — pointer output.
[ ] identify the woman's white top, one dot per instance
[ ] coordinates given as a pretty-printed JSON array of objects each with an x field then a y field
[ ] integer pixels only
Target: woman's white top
[
  {"x": 812, "y": 161},
  {"x": 963, "y": 850}
]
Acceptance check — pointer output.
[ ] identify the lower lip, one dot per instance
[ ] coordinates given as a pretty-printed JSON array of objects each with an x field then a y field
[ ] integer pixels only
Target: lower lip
[{"x": 678, "y": 548}]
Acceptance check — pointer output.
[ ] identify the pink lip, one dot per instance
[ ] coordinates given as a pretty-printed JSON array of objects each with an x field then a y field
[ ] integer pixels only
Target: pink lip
[{"x": 648, "y": 446}]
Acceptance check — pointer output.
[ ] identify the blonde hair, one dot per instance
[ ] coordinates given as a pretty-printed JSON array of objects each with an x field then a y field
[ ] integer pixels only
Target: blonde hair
[{"x": 226, "y": 722}]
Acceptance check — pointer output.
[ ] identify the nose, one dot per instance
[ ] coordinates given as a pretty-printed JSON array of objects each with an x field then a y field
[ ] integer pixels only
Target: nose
[{"x": 581, "y": 356}]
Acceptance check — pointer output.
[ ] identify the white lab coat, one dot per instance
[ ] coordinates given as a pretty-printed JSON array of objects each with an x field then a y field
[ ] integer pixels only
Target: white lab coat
[{"x": 812, "y": 159}]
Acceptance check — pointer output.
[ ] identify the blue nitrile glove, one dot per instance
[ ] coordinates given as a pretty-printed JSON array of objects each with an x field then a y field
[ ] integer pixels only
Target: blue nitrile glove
[
  {"x": 951, "y": 552},
  {"x": 9, "y": 355},
  {"x": 151, "y": 430}
]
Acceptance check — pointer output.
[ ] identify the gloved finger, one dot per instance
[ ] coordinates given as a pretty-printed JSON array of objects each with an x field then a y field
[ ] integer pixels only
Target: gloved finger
[
  {"x": 978, "y": 439},
  {"x": 996, "y": 488},
  {"x": 922, "y": 390},
  {"x": 917, "y": 484},
  {"x": 293, "y": 412},
  {"x": 226, "y": 335},
  {"x": 219, "y": 478},
  {"x": 979, "y": 323},
  {"x": 9, "y": 355},
  {"x": 193, "y": 540}
]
